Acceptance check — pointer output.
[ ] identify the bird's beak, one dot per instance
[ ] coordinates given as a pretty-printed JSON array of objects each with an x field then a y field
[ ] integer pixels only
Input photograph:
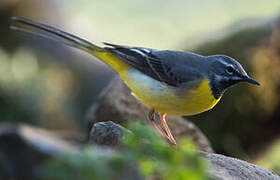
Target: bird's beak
[{"x": 251, "y": 80}]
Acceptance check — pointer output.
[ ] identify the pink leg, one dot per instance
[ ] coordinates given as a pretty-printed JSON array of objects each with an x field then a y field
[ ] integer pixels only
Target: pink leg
[
  {"x": 169, "y": 134},
  {"x": 151, "y": 117}
]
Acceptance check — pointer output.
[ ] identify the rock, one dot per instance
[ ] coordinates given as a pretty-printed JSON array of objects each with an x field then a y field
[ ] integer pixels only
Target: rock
[
  {"x": 118, "y": 105},
  {"x": 221, "y": 167},
  {"x": 106, "y": 133},
  {"x": 226, "y": 168},
  {"x": 23, "y": 148},
  {"x": 182, "y": 128}
]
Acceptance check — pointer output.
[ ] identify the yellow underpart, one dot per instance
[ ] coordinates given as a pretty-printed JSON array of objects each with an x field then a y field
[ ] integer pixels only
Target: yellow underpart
[
  {"x": 165, "y": 99},
  {"x": 112, "y": 60},
  {"x": 199, "y": 99},
  {"x": 159, "y": 96}
]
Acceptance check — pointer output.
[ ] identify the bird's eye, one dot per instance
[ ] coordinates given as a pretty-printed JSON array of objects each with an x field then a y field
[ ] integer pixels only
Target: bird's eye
[{"x": 230, "y": 69}]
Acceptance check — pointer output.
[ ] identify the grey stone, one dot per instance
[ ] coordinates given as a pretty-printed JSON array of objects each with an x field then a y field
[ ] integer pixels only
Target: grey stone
[
  {"x": 221, "y": 167},
  {"x": 227, "y": 168},
  {"x": 106, "y": 133},
  {"x": 23, "y": 148}
]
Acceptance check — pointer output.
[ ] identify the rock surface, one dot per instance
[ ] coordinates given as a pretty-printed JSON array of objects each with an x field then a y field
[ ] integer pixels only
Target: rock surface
[
  {"x": 226, "y": 168},
  {"x": 222, "y": 167},
  {"x": 24, "y": 148},
  {"x": 106, "y": 133},
  {"x": 118, "y": 105}
]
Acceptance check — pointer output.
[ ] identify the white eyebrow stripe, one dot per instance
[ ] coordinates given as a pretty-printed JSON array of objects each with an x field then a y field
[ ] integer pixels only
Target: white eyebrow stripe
[
  {"x": 223, "y": 62},
  {"x": 139, "y": 52}
]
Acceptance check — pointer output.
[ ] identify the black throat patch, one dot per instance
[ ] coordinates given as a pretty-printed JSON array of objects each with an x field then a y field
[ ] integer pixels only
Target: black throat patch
[{"x": 219, "y": 85}]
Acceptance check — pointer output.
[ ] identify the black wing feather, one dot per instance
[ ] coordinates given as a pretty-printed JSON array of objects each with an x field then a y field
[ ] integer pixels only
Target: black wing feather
[{"x": 144, "y": 61}]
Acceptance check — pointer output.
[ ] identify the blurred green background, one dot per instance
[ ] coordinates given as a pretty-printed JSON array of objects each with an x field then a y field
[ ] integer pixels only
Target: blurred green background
[{"x": 52, "y": 86}]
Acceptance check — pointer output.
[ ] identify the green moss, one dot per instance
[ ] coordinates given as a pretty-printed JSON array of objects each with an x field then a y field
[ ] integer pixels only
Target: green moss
[{"x": 142, "y": 156}]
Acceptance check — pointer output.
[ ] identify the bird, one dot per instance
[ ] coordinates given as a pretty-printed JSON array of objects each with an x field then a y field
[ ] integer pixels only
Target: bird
[{"x": 170, "y": 82}]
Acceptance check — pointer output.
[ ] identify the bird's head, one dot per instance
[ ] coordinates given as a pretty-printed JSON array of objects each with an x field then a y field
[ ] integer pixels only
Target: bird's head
[{"x": 224, "y": 72}]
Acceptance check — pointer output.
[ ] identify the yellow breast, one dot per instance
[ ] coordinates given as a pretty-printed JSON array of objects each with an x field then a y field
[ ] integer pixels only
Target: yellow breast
[
  {"x": 166, "y": 99},
  {"x": 199, "y": 99}
]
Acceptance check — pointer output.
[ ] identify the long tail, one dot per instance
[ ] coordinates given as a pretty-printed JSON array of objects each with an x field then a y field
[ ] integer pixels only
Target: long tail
[{"x": 55, "y": 34}]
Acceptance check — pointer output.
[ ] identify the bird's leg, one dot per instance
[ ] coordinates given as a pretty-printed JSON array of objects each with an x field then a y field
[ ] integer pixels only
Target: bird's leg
[
  {"x": 166, "y": 128},
  {"x": 151, "y": 117}
]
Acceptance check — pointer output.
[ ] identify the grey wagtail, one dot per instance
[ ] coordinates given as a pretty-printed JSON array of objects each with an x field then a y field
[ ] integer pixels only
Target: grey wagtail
[{"x": 168, "y": 82}]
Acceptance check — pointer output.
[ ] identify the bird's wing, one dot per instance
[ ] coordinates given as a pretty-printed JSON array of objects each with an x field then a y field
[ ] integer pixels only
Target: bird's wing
[{"x": 161, "y": 68}]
